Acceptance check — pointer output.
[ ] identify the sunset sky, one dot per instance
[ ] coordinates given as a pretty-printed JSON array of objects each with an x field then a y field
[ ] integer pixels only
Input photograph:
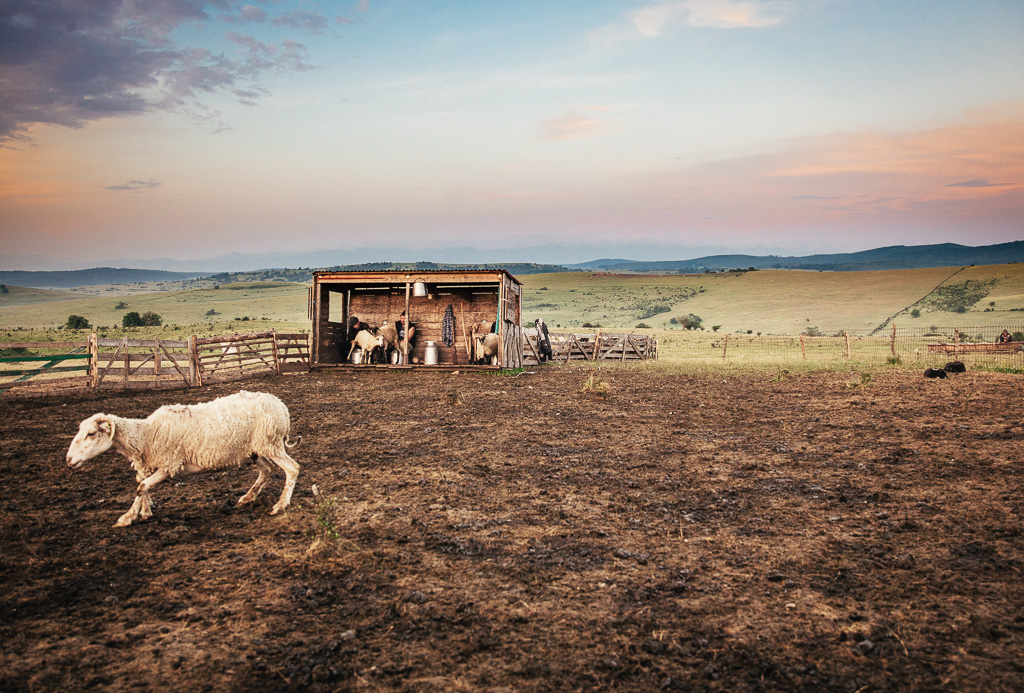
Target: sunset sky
[{"x": 536, "y": 131}]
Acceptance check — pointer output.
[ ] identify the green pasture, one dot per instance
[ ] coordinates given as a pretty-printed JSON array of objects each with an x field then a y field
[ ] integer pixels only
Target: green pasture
[
  {"x": 28, "y": 314},
  {"x": 770, "y": 301},
  {"x": 762, "y": 303}
]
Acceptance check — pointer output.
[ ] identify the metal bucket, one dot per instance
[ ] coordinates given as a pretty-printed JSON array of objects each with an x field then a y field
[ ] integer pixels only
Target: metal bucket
[
  {"x": 419, "y": 289},
  {"x": 357, "y": 356},
  {"x": 430, "y": 354}
]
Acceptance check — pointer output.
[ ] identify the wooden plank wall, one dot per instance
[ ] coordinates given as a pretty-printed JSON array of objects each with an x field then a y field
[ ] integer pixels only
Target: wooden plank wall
[{"x": 375, "y": 308}]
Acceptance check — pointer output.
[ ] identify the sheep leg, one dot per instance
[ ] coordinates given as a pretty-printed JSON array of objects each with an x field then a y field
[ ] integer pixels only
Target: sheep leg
[
  {"x": 143, "y": 506},
  {"x": 291, "y": 473},
  {"x": 265, "y": 470}
]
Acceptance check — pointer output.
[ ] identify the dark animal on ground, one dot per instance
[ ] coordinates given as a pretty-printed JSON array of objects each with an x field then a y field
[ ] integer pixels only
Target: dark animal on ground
[
  {"x": 543, "y": 340},
  {"x": 934, "y": 373},
  {"x": 955, "y": 367}
]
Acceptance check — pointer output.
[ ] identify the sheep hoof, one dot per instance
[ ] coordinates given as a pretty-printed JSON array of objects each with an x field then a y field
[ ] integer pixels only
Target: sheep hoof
[
  {"x": 278, "y": 509},
  {"x": 244, "y": 499},
  {"x": 124, "y": 520}
]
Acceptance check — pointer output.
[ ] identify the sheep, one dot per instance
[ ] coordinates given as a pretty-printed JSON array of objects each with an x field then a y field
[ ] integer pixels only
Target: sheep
[
  {"x": 486, "y": 347},
  {"x": 934, "y": 373},
  {"x": 389, "y": 336},
  {"x": 367, "y": 342},
  {"x": 955, "y": 367},
  {"x": 186, "y": 439}
]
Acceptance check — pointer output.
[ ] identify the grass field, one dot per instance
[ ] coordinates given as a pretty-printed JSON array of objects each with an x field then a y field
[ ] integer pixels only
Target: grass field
[{"x": 769, "y": 302}]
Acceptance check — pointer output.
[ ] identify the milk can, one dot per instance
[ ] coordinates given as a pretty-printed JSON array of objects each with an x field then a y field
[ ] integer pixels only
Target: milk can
[{"x": 430, "y": 354}]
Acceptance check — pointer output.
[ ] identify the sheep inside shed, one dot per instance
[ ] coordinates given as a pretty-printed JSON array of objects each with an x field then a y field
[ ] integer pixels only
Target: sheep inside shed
[
  {"x": 486, "y": 348},
  {"x": 187, "y": 439},
  {"x": 367, "y": 343},
  {"x": 389, "y": 339}
]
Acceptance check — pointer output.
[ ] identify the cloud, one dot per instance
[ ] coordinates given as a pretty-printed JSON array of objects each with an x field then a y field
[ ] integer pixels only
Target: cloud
[
  {"x": 70, "y": 63},
  {"x": 653, "y": 21},
  {"x": 303, "y": 20},
  {"x": 734, "y": 14},
  {"x": 978, "y": 183},
  {"x": 248, "y": 14},
  {"x": 134, "y": 185},
  {"x": 867, "y": 174},
  {"x": 571, "y": 125}
]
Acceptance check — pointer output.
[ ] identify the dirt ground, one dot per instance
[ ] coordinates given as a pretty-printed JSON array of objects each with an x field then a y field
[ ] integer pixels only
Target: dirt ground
[{"x": 719, "y": 531}]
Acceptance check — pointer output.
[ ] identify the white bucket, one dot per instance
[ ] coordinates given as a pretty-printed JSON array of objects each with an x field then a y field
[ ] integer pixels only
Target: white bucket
[
  {"x": 357, "y": 356},
  {"x": 419, "y": 289}
]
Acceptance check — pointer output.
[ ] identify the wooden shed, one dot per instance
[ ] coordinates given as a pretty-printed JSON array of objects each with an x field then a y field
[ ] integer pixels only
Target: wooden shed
[{"x": 469, "y": 297}]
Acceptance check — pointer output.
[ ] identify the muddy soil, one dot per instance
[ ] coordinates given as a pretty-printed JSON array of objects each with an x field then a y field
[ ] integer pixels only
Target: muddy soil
[{"x": 479, "y": 532}]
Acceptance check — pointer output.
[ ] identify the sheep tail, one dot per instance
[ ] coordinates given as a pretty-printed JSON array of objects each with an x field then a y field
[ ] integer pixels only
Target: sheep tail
[{"x": 291, "y": 445}]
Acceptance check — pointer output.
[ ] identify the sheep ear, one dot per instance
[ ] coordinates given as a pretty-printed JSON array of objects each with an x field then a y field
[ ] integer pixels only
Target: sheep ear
[{"x": 107, "y": 426}]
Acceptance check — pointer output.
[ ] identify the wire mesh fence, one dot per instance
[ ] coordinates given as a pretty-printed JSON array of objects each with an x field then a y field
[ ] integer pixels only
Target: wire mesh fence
[{"x": 926, "y": 346}]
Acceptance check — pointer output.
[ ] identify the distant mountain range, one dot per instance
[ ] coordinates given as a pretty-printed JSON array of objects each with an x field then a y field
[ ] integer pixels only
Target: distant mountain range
[
  {"x": 888, "y": 258},
  {"x": 90, "y": 277}
]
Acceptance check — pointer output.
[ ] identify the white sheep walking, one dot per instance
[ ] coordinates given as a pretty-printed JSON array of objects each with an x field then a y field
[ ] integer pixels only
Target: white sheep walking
[{"x": 186, "y": 439}]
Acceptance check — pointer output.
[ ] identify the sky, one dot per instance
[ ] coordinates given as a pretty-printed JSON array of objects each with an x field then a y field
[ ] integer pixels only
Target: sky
[{"x": 529, "y": 131}]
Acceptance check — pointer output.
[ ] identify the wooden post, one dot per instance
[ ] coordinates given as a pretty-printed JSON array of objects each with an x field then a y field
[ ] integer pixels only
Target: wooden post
[
  {"x": 156, "y": 363},
  {"x": 407, "y": 359},
  {"x": 725, "y": 346},
  {"x": 847, "y": 333},
  {"x": 803, "y": 348},
  {"x": 94, "y": 362},
  {"x": 127, "y": 363},
  {"x": 273, "y": 345},
  {"x": 892, "y": 345},
  {"x": 597, "y": 345},
  {"x": 956, "y": 343},
  {"x": 193, "y": 360}
]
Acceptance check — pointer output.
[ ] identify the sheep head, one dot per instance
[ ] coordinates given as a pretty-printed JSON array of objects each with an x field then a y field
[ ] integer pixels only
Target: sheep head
[{"x": 95, "y": 436}]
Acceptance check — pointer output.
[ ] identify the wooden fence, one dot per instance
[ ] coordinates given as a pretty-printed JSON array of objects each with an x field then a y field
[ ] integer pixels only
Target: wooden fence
[
  {"x": 591, "y": 347},
  {"x": 38, "y": 369}
]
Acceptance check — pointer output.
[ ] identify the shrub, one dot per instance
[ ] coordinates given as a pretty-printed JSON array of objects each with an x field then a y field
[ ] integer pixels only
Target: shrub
[
  {"x": 132, "y": 319},
  {"x": 958, "y": 298},
  {"x": 151, "y": 319},
  {"x": 689, "y": 321},
  {"x": 813, "y": 331},
  {"x": 120, "y": 305},
  {"x": 596, "y": 387},
  {"x": 642, "y": 326},
  {"x": 77, "y": 322},
  {"x": 916, "y": 313}
]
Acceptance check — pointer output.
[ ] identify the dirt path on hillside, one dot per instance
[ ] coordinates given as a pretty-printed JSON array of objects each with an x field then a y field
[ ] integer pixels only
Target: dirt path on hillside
[{"x": 724, "y": 532}]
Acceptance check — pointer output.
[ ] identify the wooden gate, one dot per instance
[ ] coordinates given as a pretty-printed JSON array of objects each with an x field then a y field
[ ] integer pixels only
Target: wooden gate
[{"x": 142, "y": 364}]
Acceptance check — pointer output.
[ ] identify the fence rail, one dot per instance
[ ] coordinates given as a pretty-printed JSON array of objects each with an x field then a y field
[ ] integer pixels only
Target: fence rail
[
  {"x": 40, "y": 368},
  {"x": 591, "y": 347},
  {"x": 925, "y": 346}
]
